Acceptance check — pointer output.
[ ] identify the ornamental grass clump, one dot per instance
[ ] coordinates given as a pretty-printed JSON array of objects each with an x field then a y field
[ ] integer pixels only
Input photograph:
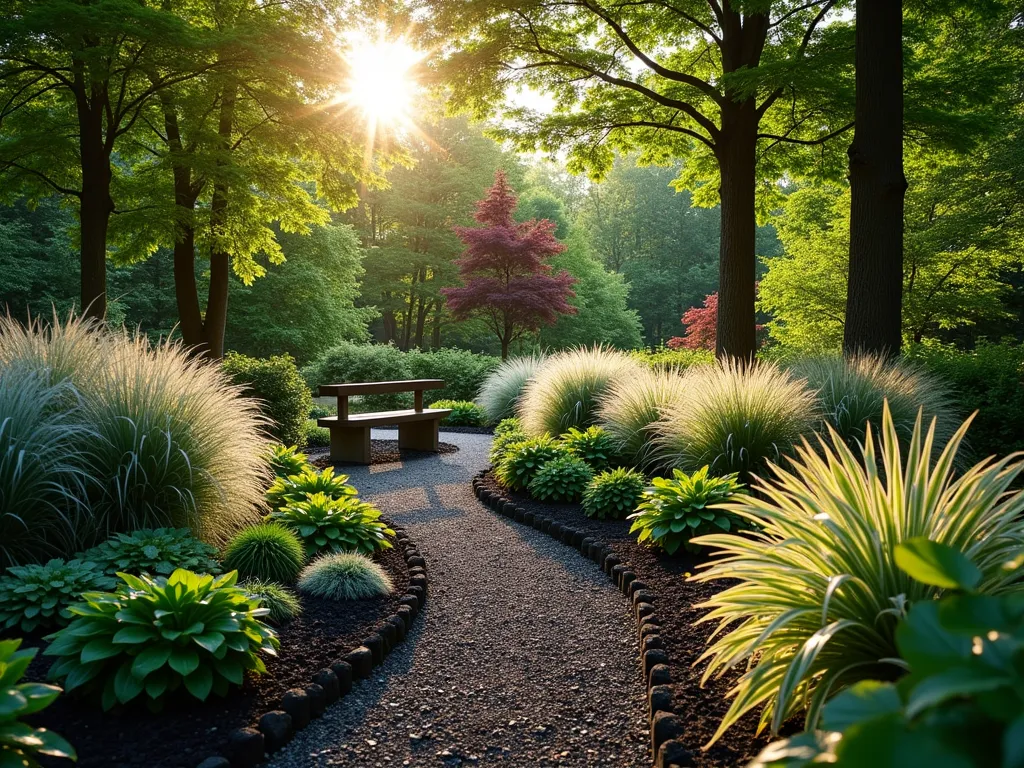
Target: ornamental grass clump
[
  {"x": 499, "y": 394},
  {"x": 524, "y": 459},
  {"x": 735, "y": 418},
  {"x": 287, "y": 490},
  {"x": 632, "y": 407},
  {"x": 563, "y": 479},
  {"x": 281, "y": 602},
  {"x": 565, "y": 391},
  {"x": 613, "y": 493},
  {"x": 159, "y": 636},
  {"x": 345, "y": 576},
  {"x": 594, "y": 445},
  {"x": 269, "y": 552},
  {"x": 326, "y": 524},
  {"x": 819, "y": 593},
  {"x": 287, "y": 460},
  {"x": 40, "y": 596},
  {"x": 156, "y": 551}
]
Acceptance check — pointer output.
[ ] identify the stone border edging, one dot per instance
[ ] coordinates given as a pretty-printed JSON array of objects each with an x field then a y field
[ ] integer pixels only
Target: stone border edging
[
  {"x": 666, "y": 727},
  {"x": 246, "y": 747}
]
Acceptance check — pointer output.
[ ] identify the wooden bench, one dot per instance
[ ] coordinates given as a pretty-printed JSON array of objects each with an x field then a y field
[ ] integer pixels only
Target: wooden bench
[{"x": 350, "y": 432}]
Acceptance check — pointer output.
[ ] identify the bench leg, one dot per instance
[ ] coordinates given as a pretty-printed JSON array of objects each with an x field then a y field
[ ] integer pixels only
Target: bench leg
[
  {"x": 350, "y": 444},
  {"x": 418, "y": 435}
]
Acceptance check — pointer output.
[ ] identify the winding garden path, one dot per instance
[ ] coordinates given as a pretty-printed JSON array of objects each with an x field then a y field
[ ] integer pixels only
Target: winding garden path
[{"x": 525, "y": 655}]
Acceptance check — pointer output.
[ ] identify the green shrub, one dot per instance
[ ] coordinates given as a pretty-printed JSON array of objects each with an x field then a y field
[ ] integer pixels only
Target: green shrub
[
  {"x": 523, "y": 459},
  {"x": 632, "y": 407},
  {"x": 463, "y": 372},
  {"x": 282, "y": 392},
  {"x": 673, "y": 511},
  {"x": 33, "y": 596},
  {"x": 507, "y": 426},
  {"x": 328, "y": 524},
  {"x": 503, "y": 442},
  {"x": 594, "y": 445},
  {"x": 21, "y": 745},
  {"x": 281, "y": 602},
  {"x": 345, "y": 576},
  {"x": 822, "y": 570},
  {"x": 500, "y": 392},
  {"x": 563, "y": 479},
  {"x": 613, "y": 493},
  {"x": 286, "y": 490},
  {"x": 464, "y": 413},
  {"x": 188, "y": 632},
  {"x": 320, "y": 411},
  {"x": 735, "y": 419},
  {"x": 158, "y": 552},
  {"x": 316, "y": 437},
  {"x": 664, "y": 358},
  {"x": 349, "y": 363},
  {"x": 565, "y": 392},
  {"x": 285, "y": 461},
  {"x": 267, "y": 552}
]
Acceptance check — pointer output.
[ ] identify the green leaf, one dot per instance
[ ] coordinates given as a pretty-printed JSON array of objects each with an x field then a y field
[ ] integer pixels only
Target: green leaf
[
  {"x": 126, "y": 685},
  {"x": 184, "y": 661},
  {"x": 939, "y": 565},
  {"x": 887, "y": 742},
  {"x": 54, "y": 745},
  {"x": 961, "y": 681},
  {"x": 151, "y": 659},
  {"x": 200, "y": 682},
  {"x": 1013, "y": 744},
  {"x": 863, "y": 701},
  {"x": 11, "y": 702},
  {"x": 98, "y": 649}
]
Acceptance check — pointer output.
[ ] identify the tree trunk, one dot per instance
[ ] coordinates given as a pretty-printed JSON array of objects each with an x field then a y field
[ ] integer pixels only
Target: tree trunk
[
  {"x": 877, "y": 184},
  {"x": 96, "y": 204},
  {"x": 220, "y": 259},
  {"x": 435, "y": 337}
]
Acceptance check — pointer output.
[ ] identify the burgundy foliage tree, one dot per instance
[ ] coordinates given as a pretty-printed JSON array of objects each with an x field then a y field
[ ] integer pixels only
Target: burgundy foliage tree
[
  {"x": 701, "y": 324},
  {"x": 507, "y": 280}
]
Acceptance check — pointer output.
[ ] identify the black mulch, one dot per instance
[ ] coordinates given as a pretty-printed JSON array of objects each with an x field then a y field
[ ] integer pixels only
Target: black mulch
[
  {"x": 187, "y": 731},
  {"x": 381, "y": 452},
  {"x": 701, "y": 709}
]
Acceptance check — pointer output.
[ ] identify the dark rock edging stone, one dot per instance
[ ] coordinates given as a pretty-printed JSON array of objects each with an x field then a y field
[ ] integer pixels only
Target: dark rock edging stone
[
  {"x": 667, "y": 729},
  {"x": 246, "y": 747}
]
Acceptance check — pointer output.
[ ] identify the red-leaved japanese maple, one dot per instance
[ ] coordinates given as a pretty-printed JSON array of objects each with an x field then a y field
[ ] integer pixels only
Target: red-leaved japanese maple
[
  {"x": 701, "y": 323},
  {"x": 507, "y": 280}
]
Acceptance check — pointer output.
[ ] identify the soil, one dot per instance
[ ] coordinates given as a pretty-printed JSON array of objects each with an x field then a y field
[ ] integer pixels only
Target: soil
[
  {"x": 677, "y": 601},
  {"x": 381, "y": 452},
  {"x": 187, "y": 731}
]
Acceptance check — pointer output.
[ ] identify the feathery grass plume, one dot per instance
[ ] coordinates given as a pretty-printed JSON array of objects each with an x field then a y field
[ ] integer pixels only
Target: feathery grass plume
[
  {"x": 280, "y": 601},
  {"x": 501, "y": 390},
  {"x": 565, "y": 391},
  {"x": 66, "y": 350},
  {"x": 735, "y": 417},
  {"x": 632, "y": 407},
  {"x": 268, "y": 552},
  {"x": 345, "y": 576},
  {"x": 819, "y": 592},
  {"x": 851, "y": 393}
]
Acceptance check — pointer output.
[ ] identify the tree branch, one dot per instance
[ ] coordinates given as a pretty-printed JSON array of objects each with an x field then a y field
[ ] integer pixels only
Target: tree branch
[{"x": 5, "y": 164}]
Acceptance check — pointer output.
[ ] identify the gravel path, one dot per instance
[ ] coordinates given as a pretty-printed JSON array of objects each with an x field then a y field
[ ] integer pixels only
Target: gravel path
[{"x": 524, "y": 656}]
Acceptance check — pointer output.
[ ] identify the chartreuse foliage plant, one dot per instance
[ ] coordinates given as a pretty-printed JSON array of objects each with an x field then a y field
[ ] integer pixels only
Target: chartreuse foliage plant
[
  {"x": 594, "y": 445},
  {"x": 269, "y": 552},
  {"x": 501, "y": 390},
  {"x": 281, "y": 602},
  {"x": 286, "y": 490},
  {"x": 564, "y": 479},
  {"x": 34, "y": 596},
  {"x": 565, "y": 391},
  {"x": 345, "y": 576},
  {"x": 156, "y": 551},
  {"x": 632, "y": 407},
  {"x": 287, "y": 460},
  {"x": 464, "y": 413},
  {"x": 816, "y": 593},
  {"x": 506, "y": 434},
  {"x": 613, "y": 493},
  {"x": 327, "y": 524},
  {"x": 524, "y": 459},
  {"x": 21, "y": 745},
  {"x": 157, "y": 636},
  {"x": 962, "y": 704},
  {"x": 673, "y": 511}
]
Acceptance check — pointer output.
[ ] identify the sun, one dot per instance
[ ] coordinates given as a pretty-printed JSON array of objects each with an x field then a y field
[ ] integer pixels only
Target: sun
[{"x": 380, "y": 79}]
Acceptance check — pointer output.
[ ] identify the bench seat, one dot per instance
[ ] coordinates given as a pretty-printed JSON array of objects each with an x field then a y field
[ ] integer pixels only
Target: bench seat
[
  {"x": 350, "y": 437},
  {"x": 384, "y": 418}
]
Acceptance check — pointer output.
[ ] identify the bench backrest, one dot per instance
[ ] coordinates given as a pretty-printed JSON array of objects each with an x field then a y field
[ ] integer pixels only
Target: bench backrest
[{"x": 343, "y": 391}]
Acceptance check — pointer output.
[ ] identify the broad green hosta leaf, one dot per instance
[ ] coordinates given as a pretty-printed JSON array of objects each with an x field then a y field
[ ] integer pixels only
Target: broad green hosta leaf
[
  {"x": 328, "y": 524},
  {"x": 20, "y": 743}
]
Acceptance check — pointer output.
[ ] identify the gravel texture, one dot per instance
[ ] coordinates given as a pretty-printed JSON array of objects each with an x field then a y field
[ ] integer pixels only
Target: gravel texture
[{"x": 525, "y": 655}]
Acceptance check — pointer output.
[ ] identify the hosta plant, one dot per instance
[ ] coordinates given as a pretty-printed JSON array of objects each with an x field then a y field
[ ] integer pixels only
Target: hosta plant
[
  {"x": 815, "y": 595},
  {"x": 40, "y": 596},
  {"x": 156, "y": 551},
  {"x": 326, "y": 524},
  {"x": 524, "y": 459},
  {"x": 21, "y": 745},
  {"x": 509, "y": 434},
  {"x": 286, "y": 490},
  {"x": 594, "y": 445},
  {"x": 613, "y": 493},
  {"x": 562, "y": 479},
  {"x": 269, "y": 552},
  {"x": 673, "y": 511},
  {"x": 281, "y": 602},
  {"x": 345, "y": 576},
  {"x": 159, "y": 636},
  {"x": 287, "y": 460}
]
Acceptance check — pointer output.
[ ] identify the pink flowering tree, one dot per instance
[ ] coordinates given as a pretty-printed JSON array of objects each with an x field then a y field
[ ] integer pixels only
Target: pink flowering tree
[{"x": 507, "y": 280}]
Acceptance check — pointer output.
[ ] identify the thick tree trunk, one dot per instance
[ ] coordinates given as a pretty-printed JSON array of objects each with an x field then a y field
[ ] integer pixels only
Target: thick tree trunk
[
  {"x": 96, "y": 204},
  {"x": 220, "y": 260},
  {"x": 877, "y": 184}
]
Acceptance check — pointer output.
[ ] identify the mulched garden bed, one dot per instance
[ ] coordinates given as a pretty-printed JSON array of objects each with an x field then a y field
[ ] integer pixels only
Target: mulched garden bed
[
  {"x": 187, "y": 731},
  {"x": 701, "y": 709},
  {"x": 381, "y": 452}
]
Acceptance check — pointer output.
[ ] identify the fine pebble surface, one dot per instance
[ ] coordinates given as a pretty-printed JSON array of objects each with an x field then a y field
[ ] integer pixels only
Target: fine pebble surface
[{"x": 525, "y": 655}]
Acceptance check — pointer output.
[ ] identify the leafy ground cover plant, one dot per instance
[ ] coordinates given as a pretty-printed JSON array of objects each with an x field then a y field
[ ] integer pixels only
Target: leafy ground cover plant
[
  {"x": 275, "y": 382},
  {"x": 613, "y": 493},
  {"x": 464, "y": 413},
  {"x": 633, "y": 406},
  {"x": 158, "y": 552},
  {"x": 822, "y": 569},
  {"x": 345, "y": 576},
  {"x": 524, "y": 459},
  {"x": 287, "y": 460},
  {"x": 503, "y": 387},
  {"x": 281, "y": 602},
  {"x": 287, "y": 490},
  {"x": 563, "y": 479},
  {"x": 21, "y": 745},
  {"x": 268, "y": 552},
  {"x": 674, "y": 511},
  {"x": 594, "y": 445},
  {"x": 506, "y": 434},
  {"x": 40, "y": 596},
  {"x": 156, "y": 636},
  {"x": 327, "y": 524}
]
